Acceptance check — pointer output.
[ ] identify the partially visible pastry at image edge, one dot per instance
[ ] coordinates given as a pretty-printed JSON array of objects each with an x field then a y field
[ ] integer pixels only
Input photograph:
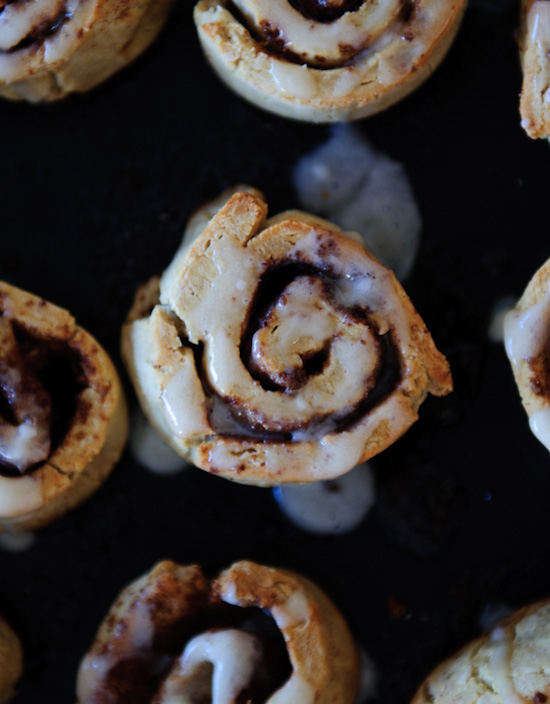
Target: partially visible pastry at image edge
[
  {"x": 11, "y": 661},
  {"x": 277, "y": 351},
  {"x": 534, "y": 42},
  {"x": 253, "y": 634},
  {"x": 508, "y": 665},
  {"x": 326, "y": 61},
  {"x": 63, "y": 416},
  {"x": 527, "y": 335},
  {"x": 50, "y": 48}
]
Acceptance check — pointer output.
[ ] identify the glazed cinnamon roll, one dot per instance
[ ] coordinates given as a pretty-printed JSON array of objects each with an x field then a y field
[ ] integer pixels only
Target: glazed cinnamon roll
[
  {"x": 63, "y": 419},
  {"x": 253, "y": 634},
  {"x": 11, "y": 661},
  {"x": 534, "y": 39},
  {"x": 526, "y": 334},
  {"x": 326, "y": 61},
  {"x": 49, "y": 48},
  {"x": 509, "y": 664},
  {"x": 278, "y": 351}
]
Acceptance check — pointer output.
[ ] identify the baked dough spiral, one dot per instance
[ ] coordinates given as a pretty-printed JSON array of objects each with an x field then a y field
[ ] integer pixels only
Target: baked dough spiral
[
  {"x": 63, "y": 417},
  {"x": 174, "y": 635},
  {"x": 326, "y": 61},
  {"x": 508, "y": 665},
  {"x": 11, "y": 661},
  {"x": 534, "y": 41},
  {"x": 278, "y": 351},
  {"x": 526, "y": 334},
  {"x": 49, "y": 48}
]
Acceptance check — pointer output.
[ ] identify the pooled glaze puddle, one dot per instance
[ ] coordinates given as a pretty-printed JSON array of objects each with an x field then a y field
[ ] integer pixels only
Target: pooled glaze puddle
[
  {"x": 359, "y": 188},
  {"x": 495, "y": 330},
  {"x": 368, "y": 678},
  {"x": 150, "y": 450},
  {"x": 16, "y": 542},
  {"x": 333, "y": 507}
]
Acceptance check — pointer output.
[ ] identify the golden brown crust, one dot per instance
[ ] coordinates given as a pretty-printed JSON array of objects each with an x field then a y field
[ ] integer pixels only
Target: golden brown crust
[
  {"x": 534, "y": 44},
  {"x": 509, "y": 664},
  {"x": 96, "y": 430},
  {"x": 11, "y": 661},
  {"x": 172, "y": 599},
  {"x": 397, "y": 58},
  {"x": 207, "y": 302},
  {"x": 96, "y": 41}
]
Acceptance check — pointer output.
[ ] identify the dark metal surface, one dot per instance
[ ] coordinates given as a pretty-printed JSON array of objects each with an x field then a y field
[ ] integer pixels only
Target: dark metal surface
[{"x": 95, "y": 194}]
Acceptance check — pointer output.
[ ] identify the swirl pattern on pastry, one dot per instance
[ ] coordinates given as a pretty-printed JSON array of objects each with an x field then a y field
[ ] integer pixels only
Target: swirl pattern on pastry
[
  {"x": 174, "y": 635},
  {"x": 508, "y": 664},
  {"x": 279, "y": 351},
  {"x": 326, "y": 61},
  {"x": 11, "y": 661},
  {"x": 63, "y": 419},
  {"x": 49, "y": 48},
  {"x": 526, "y": 334},
  {"x": 534, "y": 42}
]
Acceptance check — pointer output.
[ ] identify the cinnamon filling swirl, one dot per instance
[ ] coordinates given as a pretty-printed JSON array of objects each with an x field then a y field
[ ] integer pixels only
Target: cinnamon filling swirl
[
  {"x": 319, "y": 33},
  {"x": 39, "y": 381}
]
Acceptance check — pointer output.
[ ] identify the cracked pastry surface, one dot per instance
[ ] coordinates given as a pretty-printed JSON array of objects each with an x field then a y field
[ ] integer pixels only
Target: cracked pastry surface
[
  {"x": 507, "y": 665},
  {"x": 50, "y": 48},
  {"x": 326, "y": 61},
  {"x": 278, "y": 350},
  {"x": 11, "y": 661},
  {"x": 63, "y": 418},
  {"x": 527, "y": 340},
  {"x": 534, "y": 41},
  {"x": 253, "y": 633}
]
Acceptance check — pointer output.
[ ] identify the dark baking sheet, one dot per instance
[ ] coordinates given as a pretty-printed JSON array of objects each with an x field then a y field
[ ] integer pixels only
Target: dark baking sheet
[{"x": 95, "y": 194}]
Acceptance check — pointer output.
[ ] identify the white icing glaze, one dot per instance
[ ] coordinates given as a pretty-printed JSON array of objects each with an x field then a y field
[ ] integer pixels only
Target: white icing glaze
[
  {"x": 150, "y": 450},
  {"x": 525, "y": 332},
  {"x": 293, "y": 612},
  {"x": 538, "y": 22},
  {"x": 16, "y": 542},
  {"x": 293, "y": 79},
  {"x": 93, "y": 668},
  {"x": 295, "y": 690},
  {"x": 333, "y": 507},
  {"x": 234, "y": 655},
  {"x": 500, "y": 669},
  {"x": 374, "y": 197}
]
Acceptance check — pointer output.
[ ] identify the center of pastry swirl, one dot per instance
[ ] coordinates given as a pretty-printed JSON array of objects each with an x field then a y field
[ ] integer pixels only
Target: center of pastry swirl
[
  {"x": 37, "y": 390},
  {"x": 300, "y": 353},
  {"x": 25, "y": 423},
  {"x": 321, "y": 33},
  {"x": 27, "y": 22}
]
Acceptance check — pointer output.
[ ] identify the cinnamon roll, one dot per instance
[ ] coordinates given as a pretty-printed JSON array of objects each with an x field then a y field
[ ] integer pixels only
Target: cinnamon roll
[
  {"x": 253, "y": 634},
  {"x": 278, "y": 351},
  {"x": 508, "y": 664},
  {"x": 326, "y": 61},
  {"x": 11, "y": 661},
  {"x": 63, "y": 418},
  {"x": 534, "y": 40},
  {"x": 526, "y": 334},
  {"x": 49, "y": 48}
]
